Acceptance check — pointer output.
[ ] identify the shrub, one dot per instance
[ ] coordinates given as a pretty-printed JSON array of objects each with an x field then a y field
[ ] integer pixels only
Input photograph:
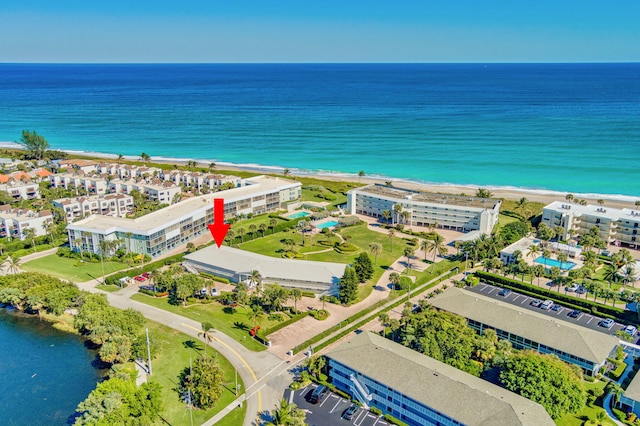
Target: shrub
[
  {"x": 376, "y": 411},
  {"x": 393, "y": 420},
  {"x": 320, "y": 315}
]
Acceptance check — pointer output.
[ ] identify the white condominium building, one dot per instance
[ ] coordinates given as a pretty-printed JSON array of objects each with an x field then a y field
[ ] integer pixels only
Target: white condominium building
[
  {"x": 14, "y": 222},
  {"x": 615, "y": 225},
  {"x": 158, "y": 232},
  {"x": 447, "y": 211},
  {"x": 111, "y": 205}
]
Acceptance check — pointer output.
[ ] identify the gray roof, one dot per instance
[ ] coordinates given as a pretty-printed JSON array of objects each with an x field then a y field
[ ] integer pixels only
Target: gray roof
[
  {"x": 570, "y": 338},
  {"x": 633, "y": 390},
  {"x": 271, "y": 268},
  {"x": 466, "y": 398}
]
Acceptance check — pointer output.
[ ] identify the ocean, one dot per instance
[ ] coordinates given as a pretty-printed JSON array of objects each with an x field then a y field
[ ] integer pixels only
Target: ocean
[
  {"x": 542, "y": 127},
  {"x": 44, "y": 372}
]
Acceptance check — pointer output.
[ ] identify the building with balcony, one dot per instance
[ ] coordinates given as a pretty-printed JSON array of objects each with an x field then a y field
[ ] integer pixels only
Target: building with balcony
[
  {"x": 163, "y": 230},
  {"x": 236, "y": 265},
  {"x": 527, "y": 329},
  {"x": 420, "y": 390},
  {"x": 14, "y": 222},
  {"x": 21, "y": 190},
  {"x": 117, "y": 205},
  {"x": 460, "y": 213},
  {"x": 620, "y": 226}
]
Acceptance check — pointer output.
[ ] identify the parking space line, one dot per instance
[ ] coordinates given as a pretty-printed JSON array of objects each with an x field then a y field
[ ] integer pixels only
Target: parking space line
[
  {"x": 516, "y": 298},
  {"x": 589, "y": 320},
  {"x": 360, "y": 414},
  {"x": 525, "y": 299},
  {"x": 492, "y": 289},
  {"x": 335, "y": 406}
]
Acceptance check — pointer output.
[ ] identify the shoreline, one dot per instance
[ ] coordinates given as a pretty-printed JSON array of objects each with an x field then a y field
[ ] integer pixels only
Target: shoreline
[{"x": 545, "y": 196}]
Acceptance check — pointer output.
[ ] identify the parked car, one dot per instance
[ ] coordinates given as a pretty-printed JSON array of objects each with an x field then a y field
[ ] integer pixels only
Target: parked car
[
  {"x": 319, "y": 394},
  {"x": 536, "y": 302},
  {"x": 504, "y": 292},
  {"x": 572, "y": 288},
  {"x": 581, "y": 290},
  {"x": 140, "y": 278},
  {"x": 606, "y": 323},
  {"x": 574, "y": 314},
  {"x": 630, "y": 330},
  {"x": 214, "y": 291},
  {"x": 349, "y": 412},
  {"x": 546, "y": 305},
  {"x": 146, "y": 274},
  {"x": 556, "y": 308}
]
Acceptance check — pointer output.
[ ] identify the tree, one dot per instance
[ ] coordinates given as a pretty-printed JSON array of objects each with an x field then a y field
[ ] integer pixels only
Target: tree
[
  {"x": 363, "y": 267},
  {"x": 545, "y": 379},
  {"x": 521, "y": 206},
  {"x": 145, "y": 157},
  {"x": 534, "y": 251},
  {"x": 206, "y": 335},
  {"x": 360, "y": 175},
  {"x": 397, "y": 209},
  {"x": 30, "y": 234},
  {"x": 272, "y": 224},
  {"x": 120, "y": 158},
  {"x": 263, "y": 228},
  {"x": 296, "y": 295},
  {"x": 391, "y": 234},
  {"x": 348, "y": 286},
  {"x": 324, "y": 299},
  {"x": 437, "y": 247},
  {"x": 394, "y": 278},
  {"x": 204, "y": 381},
  {"x": 287, "y": 414},
  {"x": 286, "y": 172},
  {"x": 376, "y": 250},
  {"x": 255, "y": 278},
  {"x": 483, "y": 193},
  {"x": 386, "y": 214},
  {"x": 408, "y": 253},
  {"x": 252, "y": 230},
  {"x": 187, "y": 285},
  {"x": 35, "y": 144},
  {"x": 256, "y": 315},
  {"x": 302, "y": 226}
]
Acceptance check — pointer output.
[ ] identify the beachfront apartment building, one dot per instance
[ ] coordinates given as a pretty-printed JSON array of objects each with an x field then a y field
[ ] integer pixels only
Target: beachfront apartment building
[
  {"x": 19, "y": 190},
  {"x": 619, "y": 226},
  {"x": 203, "y": 182},
  {"x": 14, "y": 222},
  {"x": 155, "y": 190},
  {"x": 460, "y": 213},
  {"x": 526, "y": 329},
  {"x": 117, "y": 205},
  {"x": 163, "y": 230},
  {"x": 420, "y": 390},
  {"x": 91, "y": 184}
]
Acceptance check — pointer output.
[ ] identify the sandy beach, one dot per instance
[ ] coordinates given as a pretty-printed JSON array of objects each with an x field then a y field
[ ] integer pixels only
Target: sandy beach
[{"x": 537, "y": 195}]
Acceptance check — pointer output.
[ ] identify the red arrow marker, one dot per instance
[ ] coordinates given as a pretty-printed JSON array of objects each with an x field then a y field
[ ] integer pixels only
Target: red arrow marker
[{"x": 218, "y": 228}]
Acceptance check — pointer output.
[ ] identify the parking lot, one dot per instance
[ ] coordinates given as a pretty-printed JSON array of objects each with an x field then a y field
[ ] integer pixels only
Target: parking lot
[
  {"x": 584, "y": 319},
  {"x": 331, "y": 410}
]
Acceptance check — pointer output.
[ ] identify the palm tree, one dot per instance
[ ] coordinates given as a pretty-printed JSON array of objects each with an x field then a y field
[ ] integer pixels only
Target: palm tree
[
  {"x": 397, "y": 209},
  {"x": 295, "y": 294},
  {"x": 263, "y": 228},
  {"x": 386, "y": 214},
  {"x": 212, "y": 166},
  {"x": 30, "y": 234},
  {"x": 408, "y": 252},
  {"x": 376, "y": 250},
  {"x": 394, "y": 278},
  {"x": 120, "y": 158},
  {"x": 230, "y": 235},
  {"x": 206, "y": 335},
  {"x": 521, "y": 205},
  {"x": 569, "y": 197},
  {"x": 391, "y": 234},
  {"x": 324, "y": 299},
  {"x": 438, "y": 247},
  {"x": 286, "y": 172},
  {"x": 483, "y": 193},
  {"x": 534, "y": 251},
  {"x": 610, "y": 273},
  {"x": 256, "y": 314},
  {"x": 272, "y": 224},
  {"x": 2, "y": 247},
  {"x": 145, "y": 157},
  {"x": 252, "y": 230},
  {"x": 241, "y": 232},
  {"x": 360, "y": 175},
  {"x": 12, "y": 265},
  {"x": 256, "y": 278},
  {"x": 406, "y": 216}
]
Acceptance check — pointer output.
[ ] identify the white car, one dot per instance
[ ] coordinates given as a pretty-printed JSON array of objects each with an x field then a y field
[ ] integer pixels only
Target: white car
[{"x": 630, "y": 330}]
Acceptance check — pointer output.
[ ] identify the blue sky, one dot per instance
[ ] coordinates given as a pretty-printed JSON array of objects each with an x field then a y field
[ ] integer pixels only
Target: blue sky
[{"x": 319, "y": 31}]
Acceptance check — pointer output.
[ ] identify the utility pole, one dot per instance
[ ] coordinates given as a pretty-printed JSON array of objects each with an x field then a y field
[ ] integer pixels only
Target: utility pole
[{"x": 148, "y": 352}]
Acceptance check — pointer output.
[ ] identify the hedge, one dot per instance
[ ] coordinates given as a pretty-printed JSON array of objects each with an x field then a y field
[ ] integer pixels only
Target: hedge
[
  {"x": 283, "y": 324},
  {"x": 391, "y": 419},
  {"x": 115, "y": 278},
  {"x": 215, "y": 278},
  {"x": 618, "y": 314}
]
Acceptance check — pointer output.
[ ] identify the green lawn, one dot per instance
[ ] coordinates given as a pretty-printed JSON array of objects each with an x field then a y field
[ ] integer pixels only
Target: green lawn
[
  {"x": 234, "y": 324},
  {"x": 589, "y": 412},
  {"x": 175, "y": 351},
  {"x": 66, "y": 269}
]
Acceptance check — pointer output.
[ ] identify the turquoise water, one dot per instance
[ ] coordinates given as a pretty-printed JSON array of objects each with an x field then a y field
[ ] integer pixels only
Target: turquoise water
[
  {"x": 565, "y": 266},
  {"x": 536, "y": 126},
  {"x": 298, "y": 215},
  {"x": 327, "y": 224},
  {"x": 44, "y": 372}
]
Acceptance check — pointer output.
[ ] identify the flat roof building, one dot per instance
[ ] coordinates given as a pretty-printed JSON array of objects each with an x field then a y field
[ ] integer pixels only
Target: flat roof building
[
  {"x": 420, "y": 390},
  {"x": 460, "y": 213},
  {"x": 526, "y": 329},
  {"x": 14, "y": 222},
  {"x": 236, "y": 265},
  {"x": 158, "y": 232},
  {"x": 616, "y": 225},
  {"x": 111, "y": 205}
]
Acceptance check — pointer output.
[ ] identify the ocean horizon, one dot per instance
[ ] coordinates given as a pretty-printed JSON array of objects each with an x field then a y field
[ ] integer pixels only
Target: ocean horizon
[{"x": 544, "y": 128}]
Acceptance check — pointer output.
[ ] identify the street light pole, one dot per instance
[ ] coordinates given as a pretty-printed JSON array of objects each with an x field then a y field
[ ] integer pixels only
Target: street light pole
[{"x": 148, "y": 352}]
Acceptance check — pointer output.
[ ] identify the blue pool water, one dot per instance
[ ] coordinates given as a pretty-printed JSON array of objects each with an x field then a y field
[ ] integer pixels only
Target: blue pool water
[
  {"x": 298, "y": 215},
  {"x": 327, "y": 224},
  {"x": 565, "y": 266}
]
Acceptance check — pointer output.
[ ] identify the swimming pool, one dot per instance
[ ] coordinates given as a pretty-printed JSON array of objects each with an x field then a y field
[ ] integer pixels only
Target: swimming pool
[
  {"x": 298, "y": 215},
  {"x": 327, "y": 224},
  {"x": 565, "y": 266}
]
